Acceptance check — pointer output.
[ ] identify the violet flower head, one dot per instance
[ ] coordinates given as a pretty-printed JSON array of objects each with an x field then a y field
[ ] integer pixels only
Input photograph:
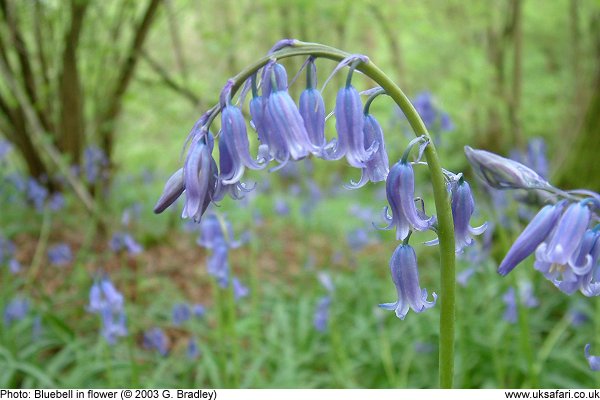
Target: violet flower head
[
  {"x": 36, "y": 193},
  {"x": 156, "y": 339},
  {"x": 463, "y": 207},
  {"x": 312, "y": 108},
  {"x": 233, "y": 129},
  {"x": 197, "y": 179},
  {"x": 321, "y": 315},
  {"x": 423, "y": 103},
  {"x": 95, "y": 162},
  {"x": 107, "y": 302},
  {"x": 60, "y": 255},
  {"x": 239, "y": 290},
  {"x": 503, "y": 173},
  {"x": 593, "y": 361},
  {"x": 123, "y": 241},
  {"x": 349, "y": 123},
  {"x": 15, "y": 310},
  {"x": 181, "y": 313},
  {"x": 400, "y": 192},
  {"x": 405, "y": 275},
  {"x": 535, "y": 233},
  {"x": 198, "y": 310},
  {"x": 171, "y": 192},
  {"x": 192, "y": 351},
  {"x": 218, "y": 264},
  {"x": 377, "y": 167}
]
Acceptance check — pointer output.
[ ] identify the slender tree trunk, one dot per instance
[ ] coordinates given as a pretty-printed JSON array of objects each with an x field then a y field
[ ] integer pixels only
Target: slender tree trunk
[{"x": 72, "y": 121}]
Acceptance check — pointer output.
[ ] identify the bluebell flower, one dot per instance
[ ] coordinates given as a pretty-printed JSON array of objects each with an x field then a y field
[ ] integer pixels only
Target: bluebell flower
[
  {"x": 281, "y": 207},
  {"x": 218, "y": 263},
  {"x": 107, "y": 302},
  {"x": 233, "y": 131},
  {"x": 193, "y": 352},
  {"x": 14, "y": 266},
  {"x": 171, "y": 192},
  {"x": 15, "y": 310},
  {"x": 312, "y": 108},
  {"x": 321, "y": 315},
  {"x": 181, "y": 313},
  {"x": 446, "y": 123},
  {"x": 405, "y": 275},
  {"x": 239, "y": 290},
  {"x": 526, "y": 297},
  {"x": 503, "y": 173},
  {"x": 36, "y": 193},
  {"x": 197, "y": 174},
  {"x": 156, "y": 339},
  {"x": 198, "y": 310},
  {"x": 56, "y": 202},
  {"x": 463, "y": 277},
  {"x": 593, "y": 361},
  {"x": 377, "y": 167},
  {"x": 400, "y": 192},
  {"x": 423, "y": 103},
  {"x": 349, "y": 123},
  {"x": 534, "y": 234},
  {"x": 60, "y": 254},
  {"x": 5, "y": 149},
  {"x": 463, "y": 207},
  {"x": 95, "y": 162},
  {"x": 121, "y": 241}
]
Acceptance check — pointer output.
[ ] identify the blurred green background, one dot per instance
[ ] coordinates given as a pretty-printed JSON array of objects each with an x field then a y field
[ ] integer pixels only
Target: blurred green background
[{"x": 130, "y": 78}]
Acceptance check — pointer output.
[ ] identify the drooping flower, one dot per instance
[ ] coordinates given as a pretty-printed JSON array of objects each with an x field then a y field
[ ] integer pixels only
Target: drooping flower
[
  {"x": 349, "y": 123},
  {"x": 171, "y": 192},
  {"x": 593, "y": 361},
  {"x": 312, "y": 108},
  {"x": 181, "y": 313},
  {"x": 197, "y": 179},
  {"x": 535, "y": 233},
  {"x": 239, "y": 290},
  {"x": 60, "y": 254},
  {"x": 15, "y": 310},
  {"x": 107, "y": 301},
  {"x": 526, "y": 297},
  {"x": 377, "y": 167},
  {"x": 156, "y": 339},
  {"x": 123, "y": 241},
  {"x": 400, "y": 191},
  {"x": 463, "y": 207},
  {"x": 405, "y": 275}
]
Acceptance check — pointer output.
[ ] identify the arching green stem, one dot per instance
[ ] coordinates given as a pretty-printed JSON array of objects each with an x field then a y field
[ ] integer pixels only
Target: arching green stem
[{"x": 442, "y": 203}]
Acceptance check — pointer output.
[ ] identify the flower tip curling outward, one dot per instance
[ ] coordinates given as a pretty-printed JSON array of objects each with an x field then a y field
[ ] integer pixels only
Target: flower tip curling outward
[
  {"x": 593, "y": 361},
  {"x": 405, "y": 275}
]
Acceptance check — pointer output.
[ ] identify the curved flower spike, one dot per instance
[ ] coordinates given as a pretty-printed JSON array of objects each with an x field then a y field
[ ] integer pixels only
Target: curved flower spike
[
  {"x": 400, "y": 192},
  {"x": 173, "y": 189},
  {"x": 463, "y": 207},
  {"x": 535, "y": 233},
  {"x": 197, "y": 176},
  {"x": 377, "y": 168},
  {"x": 593, "y": 361},
  {"x": 405, "y": 275},
  {"x": 503, "y": 173}
]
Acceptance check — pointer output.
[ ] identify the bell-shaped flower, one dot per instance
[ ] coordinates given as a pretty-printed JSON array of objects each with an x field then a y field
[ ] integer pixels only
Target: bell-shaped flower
[
  {"x": 593, "y": 361},
  {"x": 349, "y": 123},
  {"x": 312, "y": 108},
  {"x": 463, "y": 207},
  {"x": 566, "y": 238},
  {"x": 197, "y": 177},
  {"x": 233, "y": 130},
  {"x": 503, "y": 173},
  {"x": 377, "y": 167},
  {"x": 400, "y": 192},
  {"x": 535, "y": 233},
  {"x": 405, "y": 275}
]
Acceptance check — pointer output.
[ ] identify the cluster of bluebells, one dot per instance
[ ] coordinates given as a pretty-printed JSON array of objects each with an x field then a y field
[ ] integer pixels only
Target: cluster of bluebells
[
  {"x": 563, "y": 234},
  {"x": 286, "y": 132},
  {"x": 108, "y": 303},
  {"x": 216, "y": 235}
]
